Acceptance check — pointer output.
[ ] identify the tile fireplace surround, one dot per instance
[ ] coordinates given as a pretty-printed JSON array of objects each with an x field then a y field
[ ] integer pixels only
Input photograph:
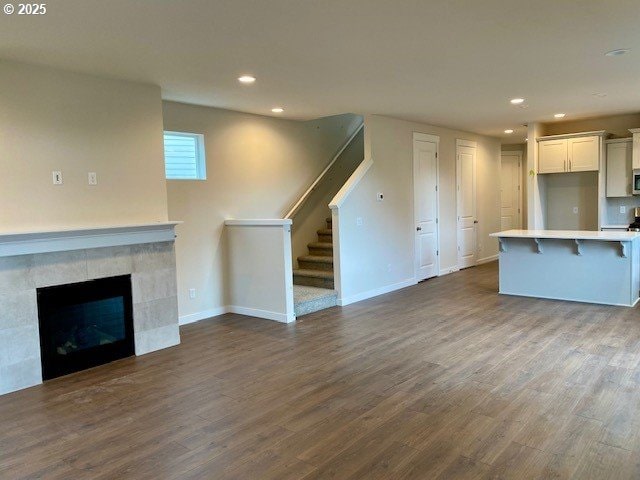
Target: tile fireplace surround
[{"x": 31, "y": 260}]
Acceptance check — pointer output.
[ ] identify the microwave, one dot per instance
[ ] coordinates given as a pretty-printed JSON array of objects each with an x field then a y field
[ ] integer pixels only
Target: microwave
[{"x": 636, "y": 181}]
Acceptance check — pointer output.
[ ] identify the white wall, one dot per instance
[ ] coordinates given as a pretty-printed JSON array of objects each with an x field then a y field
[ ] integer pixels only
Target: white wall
[
  {"x": 259, "y": 271},
  {"x": 56, "y": 120},
  {"x": 536, "y": 186},
  {"x": 312, "y": 216},
  {"x": 379, "y": 255},
  {"x": 257, "y": 167},
  {"x": 564, "y": 191},
  {"x": 615, "y": 125}
]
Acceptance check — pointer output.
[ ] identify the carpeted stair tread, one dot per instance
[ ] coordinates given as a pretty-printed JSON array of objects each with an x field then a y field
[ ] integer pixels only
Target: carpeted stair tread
[
  {"x": 301, "y": 272},
  {"x": 311, "y": 299},
  {"x": 327, "y": 245},
  {"x": 325, "y": 231},
  {"x": 316, "y": 258}
]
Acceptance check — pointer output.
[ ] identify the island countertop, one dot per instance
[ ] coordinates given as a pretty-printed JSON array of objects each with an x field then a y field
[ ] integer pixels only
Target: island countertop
[{"x": 607, "y": 236}]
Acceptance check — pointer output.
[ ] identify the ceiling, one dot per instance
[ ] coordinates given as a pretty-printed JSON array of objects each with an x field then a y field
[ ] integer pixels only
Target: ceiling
[{"x": 453, "y": 63}]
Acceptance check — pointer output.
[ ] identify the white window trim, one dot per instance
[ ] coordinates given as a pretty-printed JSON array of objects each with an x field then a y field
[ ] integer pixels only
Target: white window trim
[{"x": 201, "y": 160}]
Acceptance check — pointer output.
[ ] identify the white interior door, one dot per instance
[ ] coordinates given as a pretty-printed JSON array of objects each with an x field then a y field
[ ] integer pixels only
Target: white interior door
[
  {"x": 425, "y": 188},
  {"x": 466, "y": 190},
  {"x": 510, "y": 191}
]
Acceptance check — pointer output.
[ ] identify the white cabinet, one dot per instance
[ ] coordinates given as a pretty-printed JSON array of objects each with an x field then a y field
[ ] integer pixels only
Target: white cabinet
[
  {"x": 619, "y": 167},
  {"x": 584, "y": 153},
  {"x": 552, "y": 156},
  {"x": 636, "y": 147},
  {"x": 569, "y": 153}
]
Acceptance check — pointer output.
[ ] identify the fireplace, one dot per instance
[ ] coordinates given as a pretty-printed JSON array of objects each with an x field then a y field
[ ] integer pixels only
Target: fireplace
[
  {"x": 85, "y": 324},
  {"x": 34, "y": 264}
]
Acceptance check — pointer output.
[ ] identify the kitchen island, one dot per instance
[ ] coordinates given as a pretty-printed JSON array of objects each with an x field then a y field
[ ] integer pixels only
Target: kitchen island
[{"x": 576, "y": 265}]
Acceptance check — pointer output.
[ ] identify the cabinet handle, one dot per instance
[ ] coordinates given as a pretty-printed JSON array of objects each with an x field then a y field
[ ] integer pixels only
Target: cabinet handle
[{"x": 569, "y": 165}]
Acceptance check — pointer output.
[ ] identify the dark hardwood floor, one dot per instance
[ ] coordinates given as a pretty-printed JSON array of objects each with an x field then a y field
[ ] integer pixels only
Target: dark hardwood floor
[{"x": 444, "y": 380}]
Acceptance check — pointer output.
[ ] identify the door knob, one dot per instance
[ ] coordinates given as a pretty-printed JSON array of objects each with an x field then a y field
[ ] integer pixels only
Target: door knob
[
  {"x": 419, "y": 228},
  {"x": 475, "y": 221}
]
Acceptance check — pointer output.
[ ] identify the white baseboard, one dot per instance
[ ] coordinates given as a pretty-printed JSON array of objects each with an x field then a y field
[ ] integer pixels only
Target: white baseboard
[
  {"x": 375, "y": 292},
  {"x": 196, "y": 317},
  {"x": 255, "y": 312},
  {"x": 448, "y": 270},
  {"x": 252, "y": 312},
  {"x": 487, "y": 259}
]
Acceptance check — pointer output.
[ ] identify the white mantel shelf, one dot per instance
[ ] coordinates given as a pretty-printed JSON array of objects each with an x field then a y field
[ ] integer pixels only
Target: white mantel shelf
[{"x": 78, "y": 238}]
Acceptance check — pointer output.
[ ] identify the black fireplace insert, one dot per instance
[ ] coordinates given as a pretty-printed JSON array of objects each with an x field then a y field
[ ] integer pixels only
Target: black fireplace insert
[{"x": 86, "y": 324}]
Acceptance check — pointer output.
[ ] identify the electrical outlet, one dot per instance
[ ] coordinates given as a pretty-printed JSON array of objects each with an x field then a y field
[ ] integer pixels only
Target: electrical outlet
[
  {"x": 57, "y": 177},
  {"x": 192, "y": 293},
  {"x": 623, "y": 209},
  {"x": 93, "y": 178},
  {"x": 359, "y": 221}
]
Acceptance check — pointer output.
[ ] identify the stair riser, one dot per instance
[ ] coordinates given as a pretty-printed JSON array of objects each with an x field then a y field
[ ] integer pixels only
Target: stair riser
[
  {"x": 325, "y": 238},
  {"x": 323, "y": 252},
  {"x": 315, "y": 306},
  {"x": 329, "y": 224},
  {"x": 326, "y": 267},
  {"x": 313, "y": 282}
]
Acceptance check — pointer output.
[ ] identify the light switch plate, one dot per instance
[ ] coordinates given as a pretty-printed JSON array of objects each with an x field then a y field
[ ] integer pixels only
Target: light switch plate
[
  {"x": 575, "y": 210},
  {"x": 57, "y": 177},
  {"x": 93, "y": 178}
]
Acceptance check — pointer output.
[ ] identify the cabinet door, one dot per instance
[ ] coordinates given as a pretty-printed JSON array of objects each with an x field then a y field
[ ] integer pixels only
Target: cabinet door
[
  {"x": 552, "y": 156},
  {"x": 636, "y": 150},
  {"x": 619, "y": 174},
  {"x": 584, "y": 154}
]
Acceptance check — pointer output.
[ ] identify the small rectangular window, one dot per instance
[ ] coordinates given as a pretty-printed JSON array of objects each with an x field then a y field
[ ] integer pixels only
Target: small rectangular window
[{"x": 184, "y": 156}]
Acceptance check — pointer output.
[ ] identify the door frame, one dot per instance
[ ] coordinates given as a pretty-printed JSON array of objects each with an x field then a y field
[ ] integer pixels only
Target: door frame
[
  {"x": 424, "y": 137},
  {"x": 467, "y": 143},
  {"x": 517, "y": 153}
]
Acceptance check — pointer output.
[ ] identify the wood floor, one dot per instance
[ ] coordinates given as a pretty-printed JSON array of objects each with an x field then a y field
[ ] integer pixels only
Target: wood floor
[{"x": 444, "y": 380}]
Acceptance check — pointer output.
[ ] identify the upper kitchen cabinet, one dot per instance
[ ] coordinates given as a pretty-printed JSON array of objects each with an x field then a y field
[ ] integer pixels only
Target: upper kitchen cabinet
[
  {"x": 636, "y": 147},
  {"x": 584, "y": 153},
  {"x": 552, "y": 156},
  {"x": 578, "y": 152},
  {"x": 619, "y": 169}
]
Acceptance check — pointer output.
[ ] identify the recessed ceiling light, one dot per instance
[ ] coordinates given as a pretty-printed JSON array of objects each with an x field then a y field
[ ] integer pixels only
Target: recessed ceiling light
[
  {"x": 508, "y": 131},
  {"x": 517, "y": 101},
  {"x": 559, "y": 115},
  {"x": 246, "y": 79},
  {"x": 277, "y": 110},
  {"x": 617, "y": 52}
]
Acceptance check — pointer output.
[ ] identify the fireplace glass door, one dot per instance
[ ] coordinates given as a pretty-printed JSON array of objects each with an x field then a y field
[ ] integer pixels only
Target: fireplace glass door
[{"x": 85, "y": 324}]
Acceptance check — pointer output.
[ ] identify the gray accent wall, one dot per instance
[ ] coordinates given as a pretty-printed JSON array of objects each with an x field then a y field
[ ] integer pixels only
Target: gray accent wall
[{"x": 564, "y": 191}]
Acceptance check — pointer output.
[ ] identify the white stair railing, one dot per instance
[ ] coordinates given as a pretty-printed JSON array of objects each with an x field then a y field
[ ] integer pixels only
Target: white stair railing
[{"x": 305, "y": 196}]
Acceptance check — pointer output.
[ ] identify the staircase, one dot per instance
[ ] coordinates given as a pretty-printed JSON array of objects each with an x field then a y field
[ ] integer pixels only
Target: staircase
[
  {"x": 316, "y": 269},
  {"x": 313, "y": 280}
]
